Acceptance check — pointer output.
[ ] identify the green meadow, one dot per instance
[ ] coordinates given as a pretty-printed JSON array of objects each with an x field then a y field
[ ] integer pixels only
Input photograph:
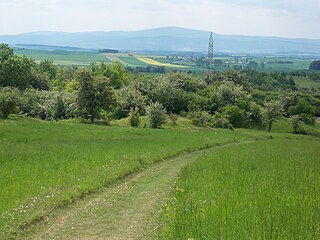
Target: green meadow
[
  {"x": 45, "y": 165},
  {"x": 263, "y": 190},
  {"x": 303, "y": 82}
]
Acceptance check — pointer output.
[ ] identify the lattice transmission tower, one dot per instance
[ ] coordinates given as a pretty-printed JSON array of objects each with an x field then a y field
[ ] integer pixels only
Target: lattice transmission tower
[{"x": 210, "y": 52}]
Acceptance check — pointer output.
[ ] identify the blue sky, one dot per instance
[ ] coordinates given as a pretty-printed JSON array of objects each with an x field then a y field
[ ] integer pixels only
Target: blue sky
[{"x": 295, "y": 18}]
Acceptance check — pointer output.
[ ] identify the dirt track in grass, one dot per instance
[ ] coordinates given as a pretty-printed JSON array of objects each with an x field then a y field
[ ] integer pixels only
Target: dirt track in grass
[{"x": 127, "y": 210}]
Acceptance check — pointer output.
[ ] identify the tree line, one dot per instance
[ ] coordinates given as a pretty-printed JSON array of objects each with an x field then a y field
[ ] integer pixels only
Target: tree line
[{"x": 103, "y": 92}]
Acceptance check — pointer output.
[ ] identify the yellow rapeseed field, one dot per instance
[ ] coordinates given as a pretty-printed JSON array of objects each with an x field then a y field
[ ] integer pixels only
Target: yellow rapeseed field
[{"x": 154, "y": 62}]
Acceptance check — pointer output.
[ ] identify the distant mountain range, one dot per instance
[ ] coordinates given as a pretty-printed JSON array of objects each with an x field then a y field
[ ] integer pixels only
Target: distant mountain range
[{"x": 166, "y": 39}]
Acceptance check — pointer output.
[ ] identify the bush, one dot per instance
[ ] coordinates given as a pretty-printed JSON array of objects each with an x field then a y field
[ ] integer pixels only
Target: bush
[
  {"x": 296, "y": 124},
  {"x": 9, "y": 101},
  {"x": 48, "y": 105},
  {"x": 305, "y": 110},
  {"x": 220, "y": 121},
  {"x": 255, "y": 116},
  {"x": 157, "y": 115},
  {"x": 130, "y": 98},
  {"x": 134, "y": 117},
  {"x": 315, "y": 65},
  {"x": 307, "y": 118},
  {"x": 201, "y": 118},
  {"x": 235, "y": 115},
  {"x": 174, "y": 118}
]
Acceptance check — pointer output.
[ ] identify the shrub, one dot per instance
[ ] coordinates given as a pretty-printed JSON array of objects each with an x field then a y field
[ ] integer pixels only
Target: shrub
[
  {"x": 157, "y": 115},
  {"x": 307, "y": 118},
  {"x": 201, "y": 118},
  {"x": 315, "y": 65},
  {"x": 130, "y": 98},
  {"x": 134, "y": 117},
  {"x": 9, "y": 101},
  {"x": 220, "y": 121},
  {"x": 255, "y": 115},
  {"x": 235, "y": 115},
  {"x": 305, "y": 110},
  {"x": 48, "y": 105},
  {"x": 174, "y": 118},
  {"x": 296, "y": 124}
]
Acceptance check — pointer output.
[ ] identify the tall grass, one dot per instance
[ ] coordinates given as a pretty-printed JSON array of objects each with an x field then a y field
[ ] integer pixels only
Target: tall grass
[
  {"x": 45, "y": 165},
  {"x": 265, "y": 190}
]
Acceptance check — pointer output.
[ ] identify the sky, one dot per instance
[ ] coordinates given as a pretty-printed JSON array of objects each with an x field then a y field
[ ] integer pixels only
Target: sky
[{"x": 284, "y": 18}]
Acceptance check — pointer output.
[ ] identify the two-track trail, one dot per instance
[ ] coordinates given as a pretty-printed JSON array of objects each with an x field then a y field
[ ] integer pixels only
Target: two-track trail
[{"x": 127, "y": 210}]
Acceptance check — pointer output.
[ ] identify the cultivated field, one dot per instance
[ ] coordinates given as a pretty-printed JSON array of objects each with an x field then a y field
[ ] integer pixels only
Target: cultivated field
[
  {"x": 65, "y": 57},
  {"x": 156, "y": 63},
  {"x": 264, "y": 190},
  {"x": 185, "y": 63}
]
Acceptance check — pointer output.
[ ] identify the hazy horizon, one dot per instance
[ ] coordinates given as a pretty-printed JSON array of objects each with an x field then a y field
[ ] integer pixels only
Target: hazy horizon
[
  {"x": 146, "y": 29},
  {"x": 292, "y": 19}
]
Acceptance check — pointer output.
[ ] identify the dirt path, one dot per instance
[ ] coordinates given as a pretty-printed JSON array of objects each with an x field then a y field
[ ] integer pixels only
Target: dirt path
[{"x": 128, "y": 210}]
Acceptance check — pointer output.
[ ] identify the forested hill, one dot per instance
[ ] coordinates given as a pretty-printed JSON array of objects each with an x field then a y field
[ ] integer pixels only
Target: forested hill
[{"x": 167, "y": 39}]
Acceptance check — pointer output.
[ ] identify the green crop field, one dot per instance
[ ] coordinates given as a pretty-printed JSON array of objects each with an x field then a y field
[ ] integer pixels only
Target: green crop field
[
  {"x": 264, "y": 190},
  {"x": 64, "y": 57},
  {"x": 46, "y": 164},
  {"x": 303, "y": 82}
]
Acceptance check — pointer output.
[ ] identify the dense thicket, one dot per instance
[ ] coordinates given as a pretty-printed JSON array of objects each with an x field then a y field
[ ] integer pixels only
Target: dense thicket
[
  {"x": 100, "y": 91},
  {"x": 315, "y": 65}
]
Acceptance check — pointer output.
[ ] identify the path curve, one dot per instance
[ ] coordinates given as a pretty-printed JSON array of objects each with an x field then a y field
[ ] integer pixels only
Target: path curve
[{"x": 127, "y": 210}]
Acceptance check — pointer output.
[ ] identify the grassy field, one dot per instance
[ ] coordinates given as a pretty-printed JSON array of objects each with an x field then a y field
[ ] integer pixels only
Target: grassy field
[
  {"x": 264, "y": 190},
  {"x": 65, "y": 57},
  {"x": 303, "y": 82},
  {"x": 46, "y": 165}
]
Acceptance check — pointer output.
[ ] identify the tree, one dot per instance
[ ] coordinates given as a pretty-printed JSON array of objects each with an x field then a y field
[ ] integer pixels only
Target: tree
[
  {"x": 95, "y": 94},
  {"x": 47, "y": 67},
  {"x": 252, "y": 65},
  {"x": 15, "y": 71},
  {"x": 315, "y": 65},
  {"x": 230, "y": 93},
  {"x": 274, "y": 110},
  {"x": 217, "y": 63},
  {"x": 157, "y": 115},
  {"x": 39, "y": 81},
  {"x": 304, "y": 110},
  {"x": 168, "y": 91},
  {"x": 116, "y": 73},
  {"x": 254, "y": 115}
]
